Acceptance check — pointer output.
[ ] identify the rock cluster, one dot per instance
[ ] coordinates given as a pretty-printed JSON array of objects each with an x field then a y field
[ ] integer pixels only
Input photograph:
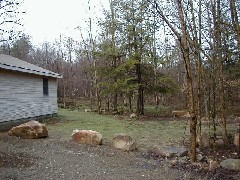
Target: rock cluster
[{"x": 34, "y": 130}]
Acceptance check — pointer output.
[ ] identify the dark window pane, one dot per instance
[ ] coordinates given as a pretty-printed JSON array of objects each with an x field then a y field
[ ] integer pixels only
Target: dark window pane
[{"x": 45, "y": 86}]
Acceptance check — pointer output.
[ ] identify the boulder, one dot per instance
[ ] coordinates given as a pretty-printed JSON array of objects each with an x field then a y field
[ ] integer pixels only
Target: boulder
[
  {"x": 124, "y": 142},
  {"x": 87, "y": 137},
  {"x": 236, "y": 140},
  {"x": 133, "y": 115},
  {"x": 29, "y": 130},
  {"x": 231, "y": 164},
  {"x": 170, "y": 151}
]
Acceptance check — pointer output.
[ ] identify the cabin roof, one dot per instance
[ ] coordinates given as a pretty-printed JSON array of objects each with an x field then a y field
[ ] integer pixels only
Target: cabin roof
[{"x": 11, "y": 63}]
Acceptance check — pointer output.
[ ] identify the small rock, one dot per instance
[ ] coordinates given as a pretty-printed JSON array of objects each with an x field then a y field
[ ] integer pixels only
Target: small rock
[
  {"x": 133, "y": 115},
  {"x": 231, "y": 164},
  {"x": 236, "y": 140},
  {"x": 29, "y": 130},
  {"x": 124, "y": 142},
  {"x": 213, "y": 165},
  {"x": 87, "y": 110},
  {"x": 87, "y": 137},
  {"x": 200, "y": 157},
  {"x": 173, "y": 162}
]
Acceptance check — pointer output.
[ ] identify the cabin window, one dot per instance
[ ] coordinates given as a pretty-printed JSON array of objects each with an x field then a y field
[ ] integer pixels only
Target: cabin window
[{"x": 45, "y": 86}]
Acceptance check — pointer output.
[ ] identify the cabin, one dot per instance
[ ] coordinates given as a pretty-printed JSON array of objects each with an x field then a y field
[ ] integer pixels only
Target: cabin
[{"x": 26, "y": 90}]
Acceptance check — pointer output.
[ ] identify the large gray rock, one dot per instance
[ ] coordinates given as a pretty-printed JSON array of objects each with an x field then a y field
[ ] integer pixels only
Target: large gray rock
[
  {"x": 29, "y": 130},
  {"x": 124, "y": 142},
  {"x": 170, "y": 151},
  {"x": 236, "y": 140},
  {"x": 87, "y": 137},
  {"x": 232, "y": 164}
]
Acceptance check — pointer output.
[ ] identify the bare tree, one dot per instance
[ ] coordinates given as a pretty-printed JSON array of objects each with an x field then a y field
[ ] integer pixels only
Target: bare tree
[
  {"x": 235, "y": 21},
  {"x": 10, "y": 20},
  {"x": 183, "y": 39}
]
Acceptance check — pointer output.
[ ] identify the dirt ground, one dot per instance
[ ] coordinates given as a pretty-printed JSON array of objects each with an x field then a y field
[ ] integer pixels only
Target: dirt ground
[{"x": 58, "y": 158}]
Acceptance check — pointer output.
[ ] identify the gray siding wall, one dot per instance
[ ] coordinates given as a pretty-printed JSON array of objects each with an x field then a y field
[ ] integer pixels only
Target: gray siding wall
[{"x": 21, "y": 96}]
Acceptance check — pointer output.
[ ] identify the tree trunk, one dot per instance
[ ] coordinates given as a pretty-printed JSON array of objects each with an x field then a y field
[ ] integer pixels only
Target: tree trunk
[
  {"x": 130, "y": 104},
  {"x": 114, "y": 56},
  {"x": 115, "y": 102},
  {"x": 138, "y": 72},
  {"x": 186, "y": 56},
  {"x": 183, "y": 40},
  {"x": 220, "y": 62},
  {"x": 140, "y": 100},
  {"x": 197, "y": 54},
  {"x": 64, "y": 95}
]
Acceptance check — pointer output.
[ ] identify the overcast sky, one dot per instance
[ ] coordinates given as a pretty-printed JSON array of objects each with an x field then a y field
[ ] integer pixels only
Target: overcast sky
[{"x": 45, "y": 20}]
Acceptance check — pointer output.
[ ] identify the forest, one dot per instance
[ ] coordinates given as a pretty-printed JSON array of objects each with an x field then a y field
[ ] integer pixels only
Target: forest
[{"x": 172, "y": 54}]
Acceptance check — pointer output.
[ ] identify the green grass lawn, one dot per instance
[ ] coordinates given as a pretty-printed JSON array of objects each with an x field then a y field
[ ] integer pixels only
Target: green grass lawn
[{"x": 146, "y": 133}]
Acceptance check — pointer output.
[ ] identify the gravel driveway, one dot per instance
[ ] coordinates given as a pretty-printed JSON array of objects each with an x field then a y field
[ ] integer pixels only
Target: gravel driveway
[{"x": 59, "y": 158}]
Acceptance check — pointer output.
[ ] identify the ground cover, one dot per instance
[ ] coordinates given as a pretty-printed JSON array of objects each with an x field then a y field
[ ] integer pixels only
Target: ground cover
[
  {"x": 146, "y": 132},
  {"x": 58, "y": 157}
]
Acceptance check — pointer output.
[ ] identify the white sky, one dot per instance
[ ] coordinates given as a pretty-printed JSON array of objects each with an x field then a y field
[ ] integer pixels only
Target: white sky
[{"x": 45, "y": 20}]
